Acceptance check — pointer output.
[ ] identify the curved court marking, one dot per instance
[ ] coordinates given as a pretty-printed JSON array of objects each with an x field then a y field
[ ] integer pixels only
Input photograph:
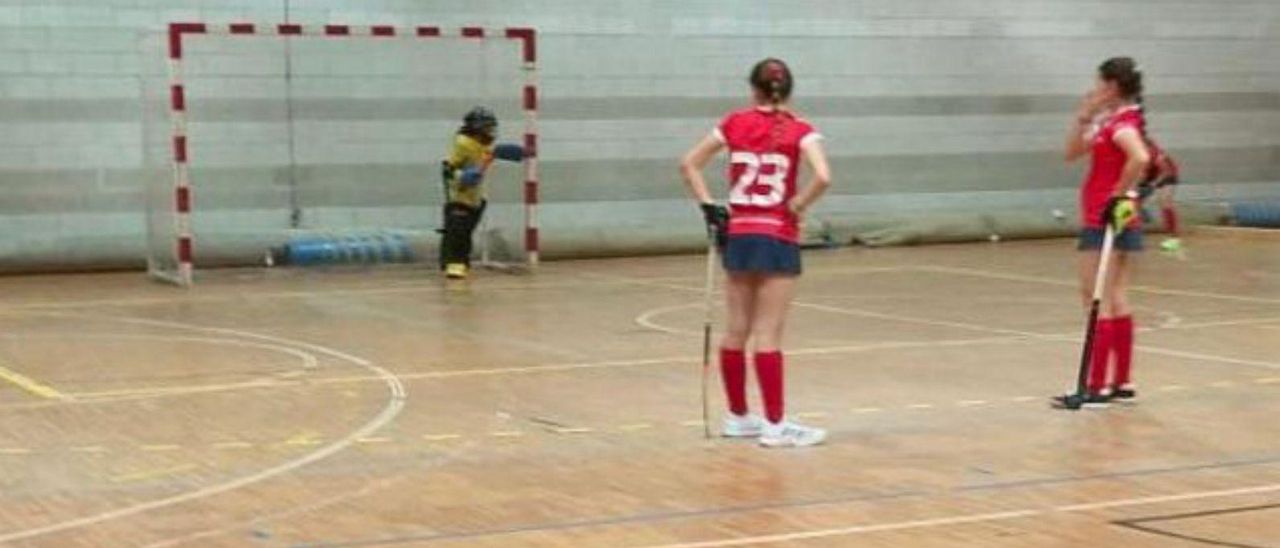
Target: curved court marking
[
  {"x": 669, "y": 360},
  {"x": 395, "y": 403},
  {"x": 646, "y": 319},
  {"x": 1016, "y": 333},
  {"x": 309, "y": 360},
  {"x": 977, "y": 518},
  {"x": 571, "y": 366}
]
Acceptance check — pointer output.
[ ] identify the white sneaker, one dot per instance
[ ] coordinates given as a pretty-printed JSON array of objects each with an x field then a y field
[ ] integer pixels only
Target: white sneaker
[
  {"x": 742, "y": 426},
  {"x": 790, "y": 434}
]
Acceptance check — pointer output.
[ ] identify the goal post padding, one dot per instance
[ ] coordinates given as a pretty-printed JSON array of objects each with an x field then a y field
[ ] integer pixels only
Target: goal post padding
[{"x": 260, "y": 134}]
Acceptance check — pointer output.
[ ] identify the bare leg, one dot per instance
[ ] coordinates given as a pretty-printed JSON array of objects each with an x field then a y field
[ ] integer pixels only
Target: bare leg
[
  {"x": 772, "y": 299},
  {"x": 740, "y": 297}
]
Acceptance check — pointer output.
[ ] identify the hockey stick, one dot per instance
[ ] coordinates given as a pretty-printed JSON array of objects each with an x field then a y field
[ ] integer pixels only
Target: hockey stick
[
  {"x": 1074, "y": 401},
  {"x": 706, "y": 329}
]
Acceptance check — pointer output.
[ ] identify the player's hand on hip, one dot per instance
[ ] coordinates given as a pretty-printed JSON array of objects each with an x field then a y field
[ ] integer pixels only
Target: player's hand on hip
[{"x": 717, "y": 218}]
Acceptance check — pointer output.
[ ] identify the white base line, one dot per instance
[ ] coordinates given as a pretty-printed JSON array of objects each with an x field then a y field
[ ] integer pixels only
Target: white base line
[
  {"x": 1054, "y": 281},
  {"x": 975, "y": 518},
  {"x": 395, "y": 402}
]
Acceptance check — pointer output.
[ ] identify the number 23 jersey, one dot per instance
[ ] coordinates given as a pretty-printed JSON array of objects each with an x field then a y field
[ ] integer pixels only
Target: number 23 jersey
[{"x": 764, "y": 160}]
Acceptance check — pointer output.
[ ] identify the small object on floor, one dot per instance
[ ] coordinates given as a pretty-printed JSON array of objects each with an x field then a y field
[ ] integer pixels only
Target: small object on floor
[
  {"x": 745, "y": 426},
  {"x": 1076, "y": 401},
  {"x": 1171, "y": 245},
  {"x": 790, "y": 434},
  {"x": 456, "y": 271}
]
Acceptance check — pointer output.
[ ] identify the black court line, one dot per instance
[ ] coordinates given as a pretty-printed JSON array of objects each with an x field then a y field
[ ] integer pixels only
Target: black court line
[
  {"x": 1138, "y": 524},
  {"x": 800, "y": 503}
]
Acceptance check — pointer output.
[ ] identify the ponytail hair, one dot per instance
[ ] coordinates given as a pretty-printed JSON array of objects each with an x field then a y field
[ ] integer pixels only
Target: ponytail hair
[{"x": 772, "y": 79}]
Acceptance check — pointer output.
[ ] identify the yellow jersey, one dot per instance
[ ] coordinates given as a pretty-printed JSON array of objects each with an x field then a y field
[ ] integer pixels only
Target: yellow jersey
[{"x": 468, "y": 152}]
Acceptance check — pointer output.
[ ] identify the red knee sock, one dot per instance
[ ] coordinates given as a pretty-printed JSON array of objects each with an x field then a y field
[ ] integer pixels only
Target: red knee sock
[
  {"x": 1101, "y": 351},
  {"x": 1122, "y": 337},
  {"x": 769, "y": 373},
  {"x": 1170, "y": 220},
  {"x": 733, "y": 371}
]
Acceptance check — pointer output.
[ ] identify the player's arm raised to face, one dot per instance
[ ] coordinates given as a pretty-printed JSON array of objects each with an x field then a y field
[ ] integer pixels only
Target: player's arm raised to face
[
  {"x": 1080, "y": 132},
  {"x": 816, "y": 156},
  {"x": 1136, "y": 158},
  {"x": 1077, "y": 145},
  {"x": 694, "y": 162}
]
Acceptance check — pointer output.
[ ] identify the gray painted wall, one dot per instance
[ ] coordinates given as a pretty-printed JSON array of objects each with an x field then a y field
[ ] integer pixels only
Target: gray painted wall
[{"x": 937, "y": 112}]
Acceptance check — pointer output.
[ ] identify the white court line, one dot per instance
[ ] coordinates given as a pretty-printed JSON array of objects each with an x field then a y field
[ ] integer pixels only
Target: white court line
[
  {"x": 432, "y": 286},
  {"x": 124, "y": 395},
  {"x": 1072, "y": 283},
  {"x": 395, "y": 402},
  {"x": 309, "y": 360},
  {"x": 1206, "y": 357},
  {"x": 667, "y": 360},
  {"x": 1067, "y": 338},
  {"x": 645, "y": 319},
  {"x": 975, "y": 518}
]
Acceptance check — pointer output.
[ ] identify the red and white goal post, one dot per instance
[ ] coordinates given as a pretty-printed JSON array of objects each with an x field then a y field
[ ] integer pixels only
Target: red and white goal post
[{"x": 256, "y": 133}]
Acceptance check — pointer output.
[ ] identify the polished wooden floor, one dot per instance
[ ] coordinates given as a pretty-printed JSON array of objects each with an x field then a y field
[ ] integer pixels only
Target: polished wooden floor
[{"x": 384, "y": 408}]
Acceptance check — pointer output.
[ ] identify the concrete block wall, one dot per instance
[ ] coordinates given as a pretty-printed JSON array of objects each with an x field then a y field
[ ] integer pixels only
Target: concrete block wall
[{"x": 929, "y": 106}]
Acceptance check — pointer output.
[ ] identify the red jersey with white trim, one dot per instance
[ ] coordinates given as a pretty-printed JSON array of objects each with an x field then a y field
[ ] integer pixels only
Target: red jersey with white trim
[
  {"x": 764, "y": 158},
  {"x": 1106, "y": 164},
  {"x": 1162, "y": 167}
]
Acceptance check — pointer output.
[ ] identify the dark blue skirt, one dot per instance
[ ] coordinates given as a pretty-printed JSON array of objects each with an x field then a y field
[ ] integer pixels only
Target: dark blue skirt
[
  {"x": 756, "y": 254},
  {"x": 1129, "y": 239}
]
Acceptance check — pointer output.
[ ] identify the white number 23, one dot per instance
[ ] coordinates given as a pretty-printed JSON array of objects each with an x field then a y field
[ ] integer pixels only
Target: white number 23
[{"x": 740, "y": 193}]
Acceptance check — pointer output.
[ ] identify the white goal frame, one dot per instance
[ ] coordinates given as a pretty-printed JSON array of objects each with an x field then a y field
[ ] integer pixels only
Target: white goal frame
[{"x": 184, "y": 244}]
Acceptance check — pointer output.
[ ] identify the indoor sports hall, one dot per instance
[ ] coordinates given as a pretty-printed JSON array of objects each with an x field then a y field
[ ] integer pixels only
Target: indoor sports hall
[{"x": 337, "y": 273}]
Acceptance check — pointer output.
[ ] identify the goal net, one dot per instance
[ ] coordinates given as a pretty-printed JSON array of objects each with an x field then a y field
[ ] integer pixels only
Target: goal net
[{"x": 324, "y": 144}]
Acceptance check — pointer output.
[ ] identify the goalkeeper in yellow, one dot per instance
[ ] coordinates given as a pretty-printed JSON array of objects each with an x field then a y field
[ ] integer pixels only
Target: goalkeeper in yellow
[{"x": 464, "y": 172}]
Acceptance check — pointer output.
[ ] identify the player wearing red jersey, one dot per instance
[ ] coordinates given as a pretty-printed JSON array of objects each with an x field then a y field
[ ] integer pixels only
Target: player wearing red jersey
[
  {"x": 760, "y": 231},
  {"x": 1109, "y": 129},
  {"x": 1160, "y": 180}
]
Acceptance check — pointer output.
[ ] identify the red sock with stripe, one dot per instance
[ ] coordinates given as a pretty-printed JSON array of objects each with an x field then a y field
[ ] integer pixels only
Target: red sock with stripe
[
  {"x": 1122, "y": 335},
  {"x": 1099, "y": 355},
  {"x": 769, "y": 373},
  {"x": 733, "y": 371},
  {"x": 1170, "y": 220}
]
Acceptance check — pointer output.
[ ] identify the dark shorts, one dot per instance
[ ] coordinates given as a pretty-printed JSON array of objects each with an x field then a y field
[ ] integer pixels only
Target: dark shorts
[
  {"x": 753, "y": 254},
  {"x": 1129, "y": 239}
]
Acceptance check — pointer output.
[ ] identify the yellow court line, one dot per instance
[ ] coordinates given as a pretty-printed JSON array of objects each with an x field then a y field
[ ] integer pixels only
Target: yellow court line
[
  {"x": 152, "y": 474},
  {"x": 31, "y": 385},
  {"x": 574, "y": 430},
  {"x": 233, "y": 445}
]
